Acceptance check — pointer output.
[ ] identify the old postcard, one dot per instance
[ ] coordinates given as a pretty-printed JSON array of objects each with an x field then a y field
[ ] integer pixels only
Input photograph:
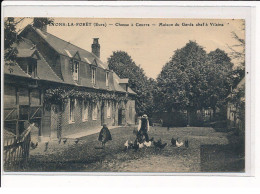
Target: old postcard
[{"x": 124, "y": 95}]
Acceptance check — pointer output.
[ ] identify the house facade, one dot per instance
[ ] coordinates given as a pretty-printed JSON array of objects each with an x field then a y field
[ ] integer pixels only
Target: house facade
[
  {"x": 62, "y": 88},
  {"x": 234, "y": 119}
]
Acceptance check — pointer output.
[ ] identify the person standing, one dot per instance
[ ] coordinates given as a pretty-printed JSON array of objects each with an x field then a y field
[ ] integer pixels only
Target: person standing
[
  {"x": 104, "y": 135},
  {"x": 143, "y": 128}
]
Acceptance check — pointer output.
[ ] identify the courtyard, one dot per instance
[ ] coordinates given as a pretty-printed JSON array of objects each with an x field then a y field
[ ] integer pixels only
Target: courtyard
[{"x": 208, "y": 151}]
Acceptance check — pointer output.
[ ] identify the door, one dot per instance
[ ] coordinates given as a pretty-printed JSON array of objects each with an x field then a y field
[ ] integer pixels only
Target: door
[
  {"x": 102, "y": 113},
  {"x": 55, "y": 117},
  {"x": 120, "y": 116}
]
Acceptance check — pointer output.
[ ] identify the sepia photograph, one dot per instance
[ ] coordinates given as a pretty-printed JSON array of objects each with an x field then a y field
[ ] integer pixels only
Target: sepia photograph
[{"x": 130, "y": 95}]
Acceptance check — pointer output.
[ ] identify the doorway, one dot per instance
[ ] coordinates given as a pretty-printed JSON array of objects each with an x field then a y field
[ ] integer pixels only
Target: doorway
[
  {"x": 102, "y": 113},
  {"x": 55, "y": 121},
  {"x": 120, "y": 116}
]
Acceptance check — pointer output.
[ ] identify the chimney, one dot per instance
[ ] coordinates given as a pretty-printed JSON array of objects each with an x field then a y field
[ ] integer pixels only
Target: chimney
[{"x": 96, "y": 47}]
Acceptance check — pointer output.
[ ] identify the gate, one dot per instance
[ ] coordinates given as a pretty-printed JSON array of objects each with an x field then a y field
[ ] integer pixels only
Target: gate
[{"x": 16, "y": 150}]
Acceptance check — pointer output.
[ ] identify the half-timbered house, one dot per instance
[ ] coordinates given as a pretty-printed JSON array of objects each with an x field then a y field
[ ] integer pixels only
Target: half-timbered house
[{"x": 62, "y": 88}]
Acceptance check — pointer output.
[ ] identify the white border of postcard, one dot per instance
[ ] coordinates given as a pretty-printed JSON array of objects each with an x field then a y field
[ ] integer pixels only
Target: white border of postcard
[{"x": 152, "y": 10}]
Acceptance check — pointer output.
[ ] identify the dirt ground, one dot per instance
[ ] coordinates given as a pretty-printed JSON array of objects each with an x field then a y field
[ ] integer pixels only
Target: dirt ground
[{"x": 208, "y": 151}]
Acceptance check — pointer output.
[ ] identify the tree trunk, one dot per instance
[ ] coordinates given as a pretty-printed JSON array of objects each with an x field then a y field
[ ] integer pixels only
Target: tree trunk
[
  {"x": 214, "y": 113},
  {"x": 191, "y": 117}
]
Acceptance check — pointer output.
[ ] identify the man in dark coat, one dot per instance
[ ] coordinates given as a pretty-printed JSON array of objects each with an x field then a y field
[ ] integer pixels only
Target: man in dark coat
[{"x": 143, "y": 128}]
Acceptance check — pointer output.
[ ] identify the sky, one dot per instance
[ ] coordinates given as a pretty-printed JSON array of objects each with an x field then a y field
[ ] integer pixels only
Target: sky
[{"x": 150, "y": 45}]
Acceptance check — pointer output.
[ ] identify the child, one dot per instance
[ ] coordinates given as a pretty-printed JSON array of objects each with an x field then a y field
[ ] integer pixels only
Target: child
[{"x": 104, "y": 135}]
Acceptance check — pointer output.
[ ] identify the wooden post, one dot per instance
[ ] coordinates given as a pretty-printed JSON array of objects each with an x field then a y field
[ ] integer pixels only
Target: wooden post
[
  {"x": 42, "y": 112},
  {"x": 18, "y": 112},
  {"x": 17, "y": 121},
  {"x": 29, "y": 109}
]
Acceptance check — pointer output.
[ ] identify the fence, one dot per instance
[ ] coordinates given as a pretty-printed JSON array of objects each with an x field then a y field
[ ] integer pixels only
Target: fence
[{"x": 16, "y": 150}]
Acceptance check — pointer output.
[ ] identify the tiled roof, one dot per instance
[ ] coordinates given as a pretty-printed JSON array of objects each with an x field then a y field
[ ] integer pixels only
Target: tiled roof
[
  {"x": 45, "y": 71},
  {"x": 131, "y": 91},
  {"x": 239, "y": 85},
  {"x": 15, "y": 70},
  {"x": 116, "y": 83},
  {"x": 26, "y": 52},
  {"x": 65, "y": 48},
  {"x": 23, "y": 50}
]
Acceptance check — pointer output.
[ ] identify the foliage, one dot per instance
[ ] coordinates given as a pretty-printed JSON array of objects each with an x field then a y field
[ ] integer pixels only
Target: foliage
[
  {"x": 40, "y": 22},
  {"x": 193, "y": 80},
  {"x": 182, "y": 81},
  {"x": 238, "y": 50},
  {"x": 10, "y": 37},
  {"x": 59, "y": 95},
  {"x": 123, "y": 65},
  {"x": 219, "y": 76}
]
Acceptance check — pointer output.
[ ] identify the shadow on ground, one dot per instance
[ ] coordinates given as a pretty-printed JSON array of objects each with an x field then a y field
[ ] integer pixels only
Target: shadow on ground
[{"x": 221, "y": 158}]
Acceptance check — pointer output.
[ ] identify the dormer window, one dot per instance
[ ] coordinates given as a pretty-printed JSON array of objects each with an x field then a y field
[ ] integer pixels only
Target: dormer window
[
  {"x": 75, "y": 70},
  {"x": 107, "y": 73},
  {"x": 32, "y": 68},
  {"x": 93, "y": 75},
  {"x": 27, "y": 59}
]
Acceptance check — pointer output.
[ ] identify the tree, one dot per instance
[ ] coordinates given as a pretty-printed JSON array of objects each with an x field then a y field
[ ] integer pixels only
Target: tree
[
  {"x": 238, "y": 50},
  {"x": 181, "y": 83},
  {"x": 237, "y": 53},
  {"x": 123, "y": 65},
  {"x": 218, "y": 78},
  {"x": 41, "y": 22},
  {"x": 10, "y": 37},
  {"x": 193, "y": 80}
]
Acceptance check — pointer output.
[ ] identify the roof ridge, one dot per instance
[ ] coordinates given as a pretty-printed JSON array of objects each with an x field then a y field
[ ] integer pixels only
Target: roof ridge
[
  {"x": 48, "y": 33},
  {"x": 26, "y": 40},
  {"x": 62, "y": 40}
]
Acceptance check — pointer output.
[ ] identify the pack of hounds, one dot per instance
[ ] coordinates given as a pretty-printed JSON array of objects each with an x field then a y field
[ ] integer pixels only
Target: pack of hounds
[{"x": 157, "y": 144}]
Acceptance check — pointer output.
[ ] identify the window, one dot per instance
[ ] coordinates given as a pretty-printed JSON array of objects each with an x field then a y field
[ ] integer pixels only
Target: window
[
  {"x": 107, "y": 73},
  {"x": 35, "y": 97},
  {"x": 72, "y": 110},
  {"x": 85, "y": 111},
  {"x": 94, "y": 111},
  {"x": 108, "y": 110},
  {"x": 32, "y": 68},
  {"x": 93, "y": 76},
  {"x": 75, "y": 70}
]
